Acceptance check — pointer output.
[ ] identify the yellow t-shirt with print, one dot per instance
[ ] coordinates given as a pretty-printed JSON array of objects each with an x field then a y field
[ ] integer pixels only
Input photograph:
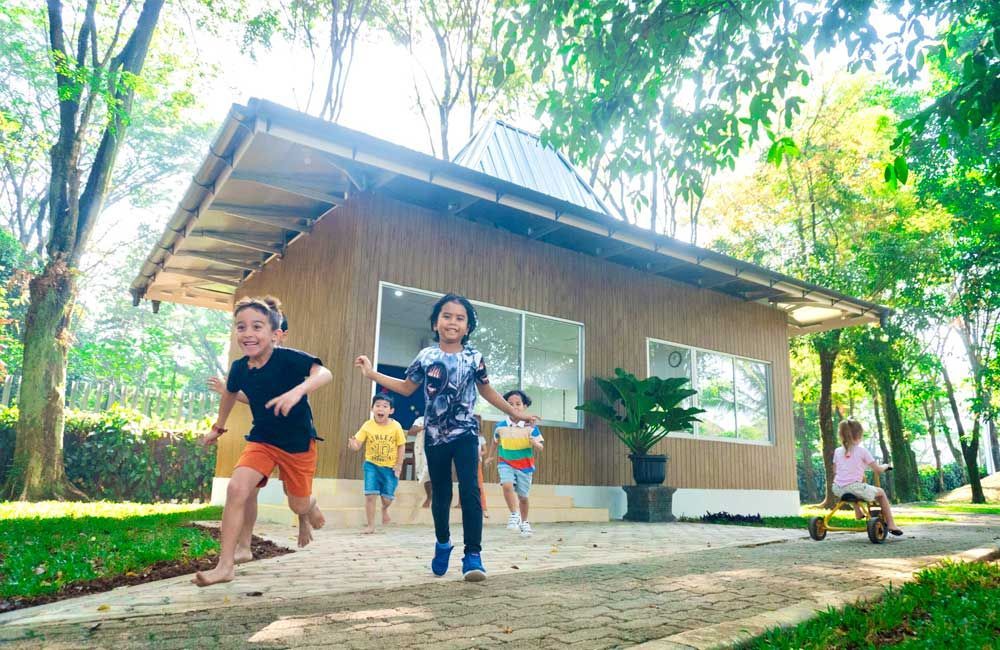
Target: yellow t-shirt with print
[{"x": 381, "y": 441}]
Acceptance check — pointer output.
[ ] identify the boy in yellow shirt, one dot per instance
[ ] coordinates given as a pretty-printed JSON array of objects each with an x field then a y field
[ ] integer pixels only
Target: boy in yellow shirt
[{"x": 385, "y": 448}]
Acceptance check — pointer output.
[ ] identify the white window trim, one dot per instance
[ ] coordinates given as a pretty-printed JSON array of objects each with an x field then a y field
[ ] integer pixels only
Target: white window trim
[
  {"x": 694, "y": 435},
  {"x": 562, "y": 424}
]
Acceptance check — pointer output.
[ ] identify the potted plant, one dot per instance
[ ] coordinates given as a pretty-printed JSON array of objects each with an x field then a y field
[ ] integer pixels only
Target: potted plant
[{"x": 642, "y": 412}]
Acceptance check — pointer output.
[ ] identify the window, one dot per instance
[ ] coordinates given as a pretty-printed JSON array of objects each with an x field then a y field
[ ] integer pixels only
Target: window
[
  {"x": 540, "y": 355},
  {"x": 735, "y": 392}
]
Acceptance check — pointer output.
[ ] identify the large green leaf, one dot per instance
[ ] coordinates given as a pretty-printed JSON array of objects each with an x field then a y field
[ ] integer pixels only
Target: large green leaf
[{"x": 641, "y": 412}]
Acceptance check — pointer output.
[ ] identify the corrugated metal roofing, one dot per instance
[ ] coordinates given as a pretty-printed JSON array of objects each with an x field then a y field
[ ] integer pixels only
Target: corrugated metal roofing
[{"x": 514, "y": 155}]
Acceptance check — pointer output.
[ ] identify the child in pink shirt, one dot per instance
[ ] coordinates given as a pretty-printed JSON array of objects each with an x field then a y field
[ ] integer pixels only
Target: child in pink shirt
[{"x": 850, "y": 462}]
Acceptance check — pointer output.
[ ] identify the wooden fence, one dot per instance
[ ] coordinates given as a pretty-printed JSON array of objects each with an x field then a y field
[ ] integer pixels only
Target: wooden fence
[{"x": 168, "y": 405}]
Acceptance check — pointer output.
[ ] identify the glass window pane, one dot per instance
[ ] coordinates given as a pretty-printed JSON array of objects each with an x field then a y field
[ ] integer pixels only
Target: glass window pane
[
  {"x": 498, "y": 337},
  {"x": 752, "y": 386},
  {"x": 715, "y": 395},
  {"x": 404, "y": 330},
  {"x": 667, "y": 360},
  {"x": 552, "y": 368}
]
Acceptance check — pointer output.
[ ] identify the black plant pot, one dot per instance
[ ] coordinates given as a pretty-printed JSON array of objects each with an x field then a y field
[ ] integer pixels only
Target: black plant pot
[{"x": 649, "y": 469}]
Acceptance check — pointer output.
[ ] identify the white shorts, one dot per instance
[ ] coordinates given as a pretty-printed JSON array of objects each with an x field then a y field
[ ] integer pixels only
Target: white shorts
[{"x": 862, "y": 491}]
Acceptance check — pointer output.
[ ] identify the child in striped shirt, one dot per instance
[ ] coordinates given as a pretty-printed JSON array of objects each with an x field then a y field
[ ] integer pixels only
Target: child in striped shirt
[{"x": 516, "y": 443}]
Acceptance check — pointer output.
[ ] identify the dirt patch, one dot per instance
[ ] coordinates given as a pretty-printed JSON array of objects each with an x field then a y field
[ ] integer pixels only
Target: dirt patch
[{"x": 262, "y": 549}]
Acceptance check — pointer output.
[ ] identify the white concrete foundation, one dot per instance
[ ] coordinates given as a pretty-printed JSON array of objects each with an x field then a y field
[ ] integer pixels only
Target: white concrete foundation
[{"x": 691, "y": 502}]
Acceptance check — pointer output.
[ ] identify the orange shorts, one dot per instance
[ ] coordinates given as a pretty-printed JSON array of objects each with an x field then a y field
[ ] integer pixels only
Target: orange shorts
[{"x": 294, "y": 470}]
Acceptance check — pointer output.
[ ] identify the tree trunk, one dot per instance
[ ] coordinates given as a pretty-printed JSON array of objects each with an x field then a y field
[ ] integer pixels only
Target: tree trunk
[
  {"x": 904, "y": 462},
  {"x": 37, "y": 471},
  {"x": 970, "y": 446},
  {"x": 887, "y": 483},
  {"x": 956, "y": 454},
  {"x": 806, "y": 448},
  {"x": 983, "y": 396},
  {"x": 931, "y": 426},
  {"x": 827, "y": 361}
]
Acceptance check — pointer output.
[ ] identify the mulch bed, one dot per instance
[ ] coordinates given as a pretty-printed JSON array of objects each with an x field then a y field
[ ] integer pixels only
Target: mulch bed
[{"x": 262, "y": 549}]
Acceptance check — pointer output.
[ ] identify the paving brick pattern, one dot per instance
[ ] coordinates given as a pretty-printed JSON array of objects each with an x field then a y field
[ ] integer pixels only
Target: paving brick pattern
[{"x": 657, "y": 585}]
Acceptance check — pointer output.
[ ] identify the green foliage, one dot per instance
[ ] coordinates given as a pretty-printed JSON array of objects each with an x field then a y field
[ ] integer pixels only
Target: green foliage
[
  {"x": 164, "y": 137},
  {"x": 953, "y": 605},
  {"x": 714, "y": 77},
  {"x": 118, "y": 455},
  {"x": 953, "y": 478},
  {"x": 175, "y": 349},
  {"x": 46, "y": 546},
  {"x": 642, "y": 412},
  {"x": 16, "y": 267}
]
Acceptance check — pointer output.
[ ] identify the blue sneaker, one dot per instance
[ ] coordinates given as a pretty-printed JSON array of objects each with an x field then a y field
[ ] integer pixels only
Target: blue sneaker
[
  {"x": 472, "y": 568},
  {"x": 442, "y": 553}
]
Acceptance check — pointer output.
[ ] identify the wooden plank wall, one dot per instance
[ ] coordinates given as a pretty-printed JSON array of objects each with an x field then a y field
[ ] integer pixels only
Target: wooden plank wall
[{"x": 329, "y": 282}]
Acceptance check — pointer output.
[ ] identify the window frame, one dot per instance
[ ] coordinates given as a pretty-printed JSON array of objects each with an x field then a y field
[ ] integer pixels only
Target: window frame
[
  {"x": 383, "y": 286},
  {"x": 695, "y": 350}
]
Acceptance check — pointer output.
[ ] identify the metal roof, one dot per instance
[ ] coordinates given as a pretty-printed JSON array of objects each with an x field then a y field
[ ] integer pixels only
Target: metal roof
[
  {"x": 512, "y": 154},
  {"x": 273, "y": 172}
]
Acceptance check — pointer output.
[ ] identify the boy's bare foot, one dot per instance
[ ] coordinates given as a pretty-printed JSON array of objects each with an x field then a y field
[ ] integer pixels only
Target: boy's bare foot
[
  {"x": 368, "y": 530},
  {"x": 243, "y": 554},
  {"x": 316, "y": 518},
  {"x": 305, "y": 531},
  {"x": 427, "y": 503},
  {"x": 386, "y": 519},
  {"x": 214, "y": 576}
]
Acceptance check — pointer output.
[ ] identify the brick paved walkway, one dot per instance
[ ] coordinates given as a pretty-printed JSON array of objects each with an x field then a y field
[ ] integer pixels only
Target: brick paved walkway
[{"x": 589, "y": 585}]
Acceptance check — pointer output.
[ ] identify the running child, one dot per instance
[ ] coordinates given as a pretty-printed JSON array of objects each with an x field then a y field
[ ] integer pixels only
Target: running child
[
  {"x": 451, "y": 373},
  {"x": 850, "y": 461},
  {"x": 385, "y": 448},
  {"x": 276, "y": 382},
  {"x": 244, "y": 552},
  {"x": 515, "y": 444}
]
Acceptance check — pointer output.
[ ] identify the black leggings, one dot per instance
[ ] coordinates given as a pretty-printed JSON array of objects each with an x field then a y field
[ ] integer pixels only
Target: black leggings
[{"x": 464, "y": 451}]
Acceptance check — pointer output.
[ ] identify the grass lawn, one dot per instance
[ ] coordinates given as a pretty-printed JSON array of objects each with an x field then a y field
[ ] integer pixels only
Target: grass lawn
[
  {"x": 966, "y": 508},
  {"x": 46, "y": 546},
  {"x": 948, "y": 606},
  {"x": 842, "y": 518}
]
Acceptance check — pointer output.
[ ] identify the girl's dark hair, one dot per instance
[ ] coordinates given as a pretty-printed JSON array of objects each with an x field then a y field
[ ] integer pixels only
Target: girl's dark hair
[
  {"x": 517, "y": 391},
  {"x": 268, "y": 305},
  {"x": 470, "y": 311}
]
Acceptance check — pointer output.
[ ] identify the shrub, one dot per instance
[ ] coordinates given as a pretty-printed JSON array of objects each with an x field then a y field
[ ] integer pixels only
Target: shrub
[{"x": 119, "y": 455}]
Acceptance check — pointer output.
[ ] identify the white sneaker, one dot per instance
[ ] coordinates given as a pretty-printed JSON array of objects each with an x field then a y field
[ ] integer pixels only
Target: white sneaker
[
  {"x": 526, "y": 529},
  {"x": 514, "y": 521}
]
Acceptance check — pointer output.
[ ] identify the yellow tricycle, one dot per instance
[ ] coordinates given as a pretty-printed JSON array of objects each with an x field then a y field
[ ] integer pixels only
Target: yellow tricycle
[{"x": 877, "y": 528}]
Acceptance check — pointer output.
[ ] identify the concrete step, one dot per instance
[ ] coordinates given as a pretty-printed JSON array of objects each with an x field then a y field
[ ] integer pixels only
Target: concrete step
[
  {"x": 354, "y": 517},
  {"x": 350, "y": 493}
]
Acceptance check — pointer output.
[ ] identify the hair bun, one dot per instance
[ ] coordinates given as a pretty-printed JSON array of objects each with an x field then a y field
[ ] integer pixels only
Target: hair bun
[{"x": 272, "y": 302}]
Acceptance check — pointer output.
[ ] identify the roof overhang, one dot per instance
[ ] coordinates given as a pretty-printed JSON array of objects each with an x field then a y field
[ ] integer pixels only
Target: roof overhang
[{"x": 272, "y": 173}]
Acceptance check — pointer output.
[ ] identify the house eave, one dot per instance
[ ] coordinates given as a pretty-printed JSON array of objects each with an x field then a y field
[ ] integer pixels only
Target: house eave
[{"x": 371, "y": 164}]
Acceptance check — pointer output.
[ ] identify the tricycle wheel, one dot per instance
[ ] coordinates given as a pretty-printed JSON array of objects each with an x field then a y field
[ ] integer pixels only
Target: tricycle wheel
[
  {"x": 877, "y": 530},
  {"x": 817, "y": 528}
]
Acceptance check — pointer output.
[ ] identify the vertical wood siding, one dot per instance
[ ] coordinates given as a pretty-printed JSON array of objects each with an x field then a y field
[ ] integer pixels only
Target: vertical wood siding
[{"x": 329, "y": 283}]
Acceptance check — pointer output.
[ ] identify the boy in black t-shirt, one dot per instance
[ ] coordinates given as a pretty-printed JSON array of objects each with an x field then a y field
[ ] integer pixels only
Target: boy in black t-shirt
[
  {"x": 276, "y": 382},
  {"x": 244, "y": 550}
]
